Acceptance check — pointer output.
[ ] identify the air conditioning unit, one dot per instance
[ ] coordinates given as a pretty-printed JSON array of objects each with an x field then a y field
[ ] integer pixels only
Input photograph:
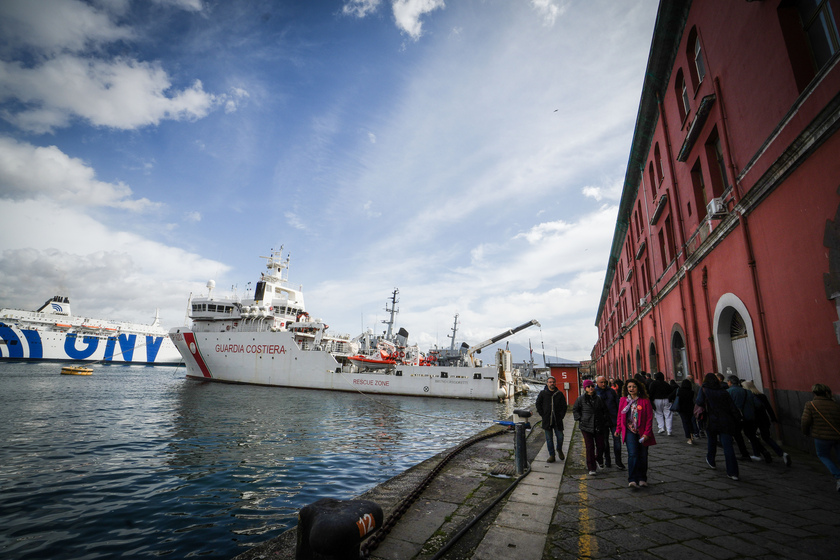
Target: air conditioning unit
[{"x": 716, "y": 208}]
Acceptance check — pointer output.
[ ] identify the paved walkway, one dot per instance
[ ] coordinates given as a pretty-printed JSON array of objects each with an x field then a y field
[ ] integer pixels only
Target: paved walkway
[{"x": 558, "y": 510}]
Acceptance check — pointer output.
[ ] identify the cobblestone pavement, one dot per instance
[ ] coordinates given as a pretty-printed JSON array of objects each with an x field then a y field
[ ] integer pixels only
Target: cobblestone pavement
[{"x": 690, "y": 511}]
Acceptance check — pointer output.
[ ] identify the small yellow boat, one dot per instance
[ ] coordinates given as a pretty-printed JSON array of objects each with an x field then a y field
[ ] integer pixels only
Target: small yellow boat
[{"x": 76, "y": 370}]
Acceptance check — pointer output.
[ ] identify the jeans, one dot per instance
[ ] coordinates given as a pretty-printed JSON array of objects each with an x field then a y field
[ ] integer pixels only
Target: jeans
[
  {"x": 594, "y": 449},
  {"x": 764, "y": 430},
  {"x": 728, "y": 451},
  {"x": 637, "y": 458},
  {"x": 616, "y": 441},
  {"x": 824, "y": 447},
  {"x": 549, "y": 440},
  {"x": 688, "y": 428}
]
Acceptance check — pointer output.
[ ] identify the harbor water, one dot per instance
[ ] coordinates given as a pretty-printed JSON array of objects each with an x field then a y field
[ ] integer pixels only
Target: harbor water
[{"x": 137, "y": 461}]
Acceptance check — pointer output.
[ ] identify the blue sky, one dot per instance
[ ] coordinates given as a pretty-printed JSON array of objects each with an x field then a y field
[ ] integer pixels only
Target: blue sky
[{"x": 468, "y": 152}]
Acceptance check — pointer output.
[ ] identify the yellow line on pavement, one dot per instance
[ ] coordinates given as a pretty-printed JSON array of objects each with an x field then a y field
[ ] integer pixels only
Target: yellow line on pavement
[{"x": 587, "y": 545}]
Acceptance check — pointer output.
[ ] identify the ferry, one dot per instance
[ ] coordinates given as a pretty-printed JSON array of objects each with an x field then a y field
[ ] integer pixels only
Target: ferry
[
  {"x": 270, "y": 339},
  {"x": 52, "y": 333}
]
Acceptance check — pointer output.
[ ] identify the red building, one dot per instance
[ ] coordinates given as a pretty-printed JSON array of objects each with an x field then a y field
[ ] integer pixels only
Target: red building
[{"x": 726, "y": 252}]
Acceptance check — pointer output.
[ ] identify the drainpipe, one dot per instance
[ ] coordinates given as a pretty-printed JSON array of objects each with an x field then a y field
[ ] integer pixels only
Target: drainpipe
[
  {"x": 709, "y": 312},
  {"x": 742, "y": 218}
]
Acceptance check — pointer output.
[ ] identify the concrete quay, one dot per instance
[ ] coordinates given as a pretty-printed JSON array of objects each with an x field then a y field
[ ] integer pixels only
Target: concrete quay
[{"x": 558, "y": 510}]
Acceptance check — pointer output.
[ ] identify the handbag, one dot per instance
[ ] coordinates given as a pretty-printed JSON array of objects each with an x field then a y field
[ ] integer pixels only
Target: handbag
[
  {"x": 699, "y": 411},
  {"x": 675, "y": 406}
]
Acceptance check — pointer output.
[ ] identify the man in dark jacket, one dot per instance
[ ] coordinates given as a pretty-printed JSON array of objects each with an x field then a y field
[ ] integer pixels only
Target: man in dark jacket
[
  {"x": 610, "y": 398},
  {"x": 551, "y": 406}
]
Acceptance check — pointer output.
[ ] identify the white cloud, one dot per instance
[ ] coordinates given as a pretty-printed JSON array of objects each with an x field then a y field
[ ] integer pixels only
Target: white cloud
[
  {"x": 592, "y": 192},
  {"x": 549, "y": 10},
  {"x": 29, "y": 172},
  {"x": 54, "y": 26},
  {"x": 360, "y": 8},
  {"x": 295, "y": 221},
  {"x": 107, "y": 273},
  {"x": 122, "y": 93},
  {"x": 192, "y": 217},
  {"x": 407, "y": 14}
]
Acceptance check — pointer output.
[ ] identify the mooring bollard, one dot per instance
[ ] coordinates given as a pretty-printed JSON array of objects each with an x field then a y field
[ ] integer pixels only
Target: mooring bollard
[
  {"x": 332, "y": 529},
  {"x": 520, "y": 446}
]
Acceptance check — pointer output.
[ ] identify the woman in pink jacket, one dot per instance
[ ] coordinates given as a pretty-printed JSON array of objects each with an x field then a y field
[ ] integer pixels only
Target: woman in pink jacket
[{"x": 635, "y": 427}]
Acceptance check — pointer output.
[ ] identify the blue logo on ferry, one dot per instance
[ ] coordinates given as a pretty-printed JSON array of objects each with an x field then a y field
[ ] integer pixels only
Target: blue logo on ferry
[
  {"x": 56, "y": 307},
  {"x": 90, "y": 342}
]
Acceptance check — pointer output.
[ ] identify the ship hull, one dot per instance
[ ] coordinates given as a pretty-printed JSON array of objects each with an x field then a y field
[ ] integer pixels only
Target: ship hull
[
  {"x": 274, "y": 359},
  {"x": 36, "y": 344}
]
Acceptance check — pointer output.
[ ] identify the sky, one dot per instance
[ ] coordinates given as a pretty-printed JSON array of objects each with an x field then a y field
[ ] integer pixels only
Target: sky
[{"x": 469, "y": 153}]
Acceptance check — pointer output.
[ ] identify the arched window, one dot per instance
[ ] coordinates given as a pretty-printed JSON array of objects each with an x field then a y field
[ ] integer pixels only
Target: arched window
[
  {"x": 657, "y": 156},
  {"x": 695, "y": 53},
  {"x": 653, "y": 362},
  {"x": 652, "y": 179},
  {"x": 681, "y": 91}
]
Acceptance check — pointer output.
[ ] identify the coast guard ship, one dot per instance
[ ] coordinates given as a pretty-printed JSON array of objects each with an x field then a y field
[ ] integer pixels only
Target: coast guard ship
[{"x": 52, "y": 333}]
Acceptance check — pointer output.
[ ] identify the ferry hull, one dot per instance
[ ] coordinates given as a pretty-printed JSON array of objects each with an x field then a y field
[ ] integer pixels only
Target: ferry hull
[
  {"x": 273, "y": 358},
  {"x": 18, "y": 343}
]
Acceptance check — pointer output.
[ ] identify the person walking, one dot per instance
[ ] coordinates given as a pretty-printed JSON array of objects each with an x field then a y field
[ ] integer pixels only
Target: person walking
[
  {"x": 685, "y": 408},
  {"x": 764, "y": 418},
  {"x": 610, "y": 398},
  {"x": 745, "y": 402},
  {"x": 591, "y": 414},
  {"x": 660, "y": 390},
  {"x": 635, "y": 428},
  {"x": 722, "y": 421},
  {"x": 821, "y": 421},
  {"x": 552, "y": 406}
]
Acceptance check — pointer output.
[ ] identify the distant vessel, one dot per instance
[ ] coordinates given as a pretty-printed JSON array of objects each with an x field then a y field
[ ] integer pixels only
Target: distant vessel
[
  {"x": 270, "y": 340},
  {"x": 53, "y": 333}
]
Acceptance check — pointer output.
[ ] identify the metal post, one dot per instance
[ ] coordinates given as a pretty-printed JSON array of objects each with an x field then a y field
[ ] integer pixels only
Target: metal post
[{"x": 520, "y": 448}]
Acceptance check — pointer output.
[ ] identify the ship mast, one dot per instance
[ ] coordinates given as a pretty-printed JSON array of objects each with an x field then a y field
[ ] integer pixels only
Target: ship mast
[
  {"x": 454, "y": 332},
  {"x": 393, "y": 310}
]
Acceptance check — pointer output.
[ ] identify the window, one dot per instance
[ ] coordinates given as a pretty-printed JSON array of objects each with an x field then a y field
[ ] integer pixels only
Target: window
[
  {"x": 657, "y": 156},
  {"x": 810, "y": 33},
  {"x": 701, "y": 199},
  {"x": 714, "y": 156},
  {"x": 652, "y": 179},
  {"x": 681, "y": 92},
  {"x": 818, "y": 24},
  {"x": 695, "y": 53}
]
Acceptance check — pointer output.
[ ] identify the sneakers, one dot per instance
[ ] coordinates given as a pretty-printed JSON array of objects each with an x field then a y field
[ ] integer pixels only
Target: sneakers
[
  {"x": 634, "y": 485},
  {"x": 550, "y": 459},
  {"x": 592, "y": 473},
  {"x": 661, "y": 432},
  {"x": 690, "y": 442},
  {"x": 620, "y": 466},
  {"x": 733, "y": 477},
  {"x": 669, "y": 434},
  {"x": 786, "y": 459},
  {"x": 643, "y": 483},
  {"x": 756, "y": 458},
  {"x": 712, "y": 465},
  {"x": 561, "y": 455},
  {"x": 601, "y": 464}
]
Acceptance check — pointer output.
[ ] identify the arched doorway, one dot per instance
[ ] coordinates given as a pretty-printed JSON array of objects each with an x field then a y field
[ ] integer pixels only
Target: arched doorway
[
  {"x": 653, "y": 361},
  {"x": 679, "y": 354},
  {"x": 735, "y": 340}
]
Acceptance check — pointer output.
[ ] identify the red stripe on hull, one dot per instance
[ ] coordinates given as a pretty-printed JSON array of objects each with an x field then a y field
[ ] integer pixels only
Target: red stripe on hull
[{"x": 192, "y": 346}]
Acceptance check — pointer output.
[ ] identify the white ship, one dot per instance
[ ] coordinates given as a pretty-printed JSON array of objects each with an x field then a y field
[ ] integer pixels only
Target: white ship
[
  {"x": 270, "y": 340},
  {"x": 52, "y": 333}
]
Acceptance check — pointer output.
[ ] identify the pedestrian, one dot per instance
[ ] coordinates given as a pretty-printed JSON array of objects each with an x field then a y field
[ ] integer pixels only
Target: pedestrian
[
  {"x": 610, "y": 398},
  {"x": 722, "y": 421},
  {"x": 821, "y": 421},
  {"x": 764, "y": 418},
  {"x": 635, "y": 428},
  {"x": 745, "y": 402},
  {"x": 685, "y": 408},
  {"x": 616, "y": 385},
  {"x": 552, "y": 407},
  {"x": 591, "y": 414},
  {"x": 660, "y": 390}
]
